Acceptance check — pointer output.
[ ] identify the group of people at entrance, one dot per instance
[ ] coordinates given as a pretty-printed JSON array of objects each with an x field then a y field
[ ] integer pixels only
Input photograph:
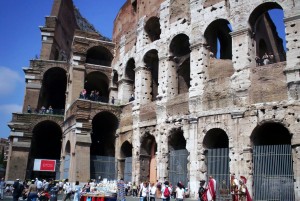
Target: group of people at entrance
[
  {"x": 238, "y": 190},
  {"x": 147, "y": 191}
]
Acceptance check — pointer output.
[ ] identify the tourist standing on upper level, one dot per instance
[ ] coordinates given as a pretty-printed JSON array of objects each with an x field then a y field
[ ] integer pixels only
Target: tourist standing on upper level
[{"x": 29, "y": 109}]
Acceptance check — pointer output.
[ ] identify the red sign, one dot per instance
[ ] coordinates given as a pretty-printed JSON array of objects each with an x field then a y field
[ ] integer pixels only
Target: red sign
[{"x": 48, "y": 165}]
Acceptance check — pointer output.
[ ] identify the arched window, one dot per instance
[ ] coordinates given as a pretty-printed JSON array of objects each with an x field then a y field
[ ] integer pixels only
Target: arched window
[
  {"x": 152, "y": 29},
  {"x": 151, "y": 62},
  {"x": 99, "y": 56},
  {"x": 266, "y": 22},
  {"x": 218, "y": 39}
]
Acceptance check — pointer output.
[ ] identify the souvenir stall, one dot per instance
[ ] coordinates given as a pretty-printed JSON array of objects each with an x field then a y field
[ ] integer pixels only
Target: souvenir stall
[{"x": 103, "y": 191}]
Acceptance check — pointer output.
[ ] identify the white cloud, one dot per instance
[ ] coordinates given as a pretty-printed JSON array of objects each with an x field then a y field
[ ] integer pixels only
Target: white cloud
[
  {"x": 10, "y": 108},
  {"x": 9, "y": 80}
]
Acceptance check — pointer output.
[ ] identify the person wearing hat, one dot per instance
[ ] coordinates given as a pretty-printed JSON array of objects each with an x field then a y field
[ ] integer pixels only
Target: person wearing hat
[{"x": 201, "y": 190}]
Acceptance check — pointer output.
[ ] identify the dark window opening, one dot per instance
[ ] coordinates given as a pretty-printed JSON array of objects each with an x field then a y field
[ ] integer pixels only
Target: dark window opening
[
  {"x": 218, "y": 39},
  {"x": 53, "y": 89},
  {"x": 99, "y": 56},
  {"x": 126, "y": 150},
  {"x": 267, "y": 25},
  {"x": 216, "y": 138},
  {"x": 270, "y": 134},
  {"x": 134, "y": 5},
  {"x": 177, "y": 140},
  {"x": 130, "y": 75},
  {"x": 180, "y": 50},
  {"x": 148, "y": 143},
  {"x": 104, "y": 126},
  {"x": 151, "y": 61},
  {"x": 152, "y": 28},
  {"x": 96, "y": 85},
  {"x": 115, "y": 78},
  {"x": 46, "y": 136}
]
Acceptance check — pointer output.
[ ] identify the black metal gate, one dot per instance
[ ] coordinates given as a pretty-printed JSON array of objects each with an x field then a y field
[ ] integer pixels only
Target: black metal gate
[
  {"x": 178, "y": 166},
  {"x": 273, "y": 173},
  {"x": 218, "y": 167},
  {"x": 66, "y": 166},
  {"x": 104, "y": 166},
  {"x": 128, "y": 169}
]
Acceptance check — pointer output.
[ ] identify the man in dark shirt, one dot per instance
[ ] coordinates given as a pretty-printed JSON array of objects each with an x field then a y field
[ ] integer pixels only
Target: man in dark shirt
[
  {"x": 201, "y": 190},
  {"x": 16, "y": 193}
]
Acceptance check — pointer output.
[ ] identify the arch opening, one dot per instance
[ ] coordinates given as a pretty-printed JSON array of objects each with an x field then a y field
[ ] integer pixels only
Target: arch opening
[
  {"x": 180, "y": 51},
  {"x": 178, "y": 158},
  {"x": 96, "y": 85},
  {"x": 148, "y": 158},
  {"x": 152, "y": 29},
  {"x": 216, "y": 138},
  {"x": 67, "y": 160},
  {"x": 151, "y": 61},
  {"x": 125, "y": 164},
  {"x": 53, "y": 90},
  {"x": 272, "y": 162},
  {"x": 130, "y": 76},
  {"x": 217, "y": 158},
  {"x": 266, "y": 22},
  {"x": 102, "y": 151},
  {"x": 270, "y": 134},
  {"x": 218, "y": 39},
  {"x": 99, "y": 56},
  {"x": 46, "y": 135},
  {"x": 115, "y": 78}
]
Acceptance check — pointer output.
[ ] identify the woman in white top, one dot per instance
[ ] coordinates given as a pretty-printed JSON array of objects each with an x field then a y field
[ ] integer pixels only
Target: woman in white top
[
  {"x": 152, "y": 192},
  {"x": 179, "y": 192},
  {"x": 144, "y": 191}
]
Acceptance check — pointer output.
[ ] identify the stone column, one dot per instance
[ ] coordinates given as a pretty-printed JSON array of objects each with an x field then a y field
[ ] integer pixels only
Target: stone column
[
  {"x": 162, "y": 155},
  {"x": 243, "y": 57},
  {"x": 292, "y": 25},
  {"x": 81, "y": 157},
  {"x": 191, "y": 131},
  {"x": 76, "y": 84},
  {"x": 18, "y": 154},
  {"x": 136, "y": 144},
  {"x": 125, "y": 89},
  {"x": 171, "y": 79},
  {"x": 296, "y": 165},
  {"x": 143, "y": 79}
]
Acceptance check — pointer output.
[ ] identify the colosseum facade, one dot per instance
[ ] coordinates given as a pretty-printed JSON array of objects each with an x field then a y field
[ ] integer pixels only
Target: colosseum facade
[{"x": 190, "y": 98}]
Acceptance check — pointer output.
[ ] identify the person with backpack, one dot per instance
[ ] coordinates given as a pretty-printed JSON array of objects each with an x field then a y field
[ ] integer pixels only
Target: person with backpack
[{"x": 166, "y": 192}]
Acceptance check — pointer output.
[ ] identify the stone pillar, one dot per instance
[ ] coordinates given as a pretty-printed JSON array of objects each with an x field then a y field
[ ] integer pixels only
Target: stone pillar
[
  {"x": 136, "y": 144},
  {"x": 191, "y": 132},
  {"x": 18, "y": 160},
  {"x": 171, "y": 79},
  {"x": 76, "y": 84},
  {"x": 143, "y": 80},
  {"x": 125, "y": 89},
  {"x": 296, "y": 165},
  {"x": 199, "y": 64},
  {"x": 162, "y": 77},
  {"x": 162, "y": 155},
  {"x": 292, "y": 25},
  {"x": 81, "y": 157},
  {"x": 32, "y": 94},
  {"x": 243, "y": 57}
]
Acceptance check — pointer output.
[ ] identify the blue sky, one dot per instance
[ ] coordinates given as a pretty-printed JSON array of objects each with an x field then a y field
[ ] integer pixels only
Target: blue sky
[{"x": 20, "y": 40}]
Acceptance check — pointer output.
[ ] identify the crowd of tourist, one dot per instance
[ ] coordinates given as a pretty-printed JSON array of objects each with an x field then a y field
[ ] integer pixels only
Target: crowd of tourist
[{"x": 95, "y": 95}]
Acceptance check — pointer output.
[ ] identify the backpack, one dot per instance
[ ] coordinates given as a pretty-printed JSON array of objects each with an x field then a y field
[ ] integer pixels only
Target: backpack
[{"x": 166, "y": 192}]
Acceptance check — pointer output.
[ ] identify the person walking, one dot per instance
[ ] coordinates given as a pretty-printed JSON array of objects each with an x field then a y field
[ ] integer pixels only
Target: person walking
[
  {"x": 121, "y": 190},
  {"x": 144, "y": 191},
  {"x": 67, "y": 190},
  {"x": 32, "y": 191},
  {"x": 152, "y": 192},
  {"x": 211, "y": 189},
  {"x": 2, "y": 187},
  {"x": 166, "y": 192},
  {"x": 179, "y": 192},
  {"x": 77, "y": 191},
  {"x": 16, "y": 190},
  {"x": 201, "y": 190}
]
